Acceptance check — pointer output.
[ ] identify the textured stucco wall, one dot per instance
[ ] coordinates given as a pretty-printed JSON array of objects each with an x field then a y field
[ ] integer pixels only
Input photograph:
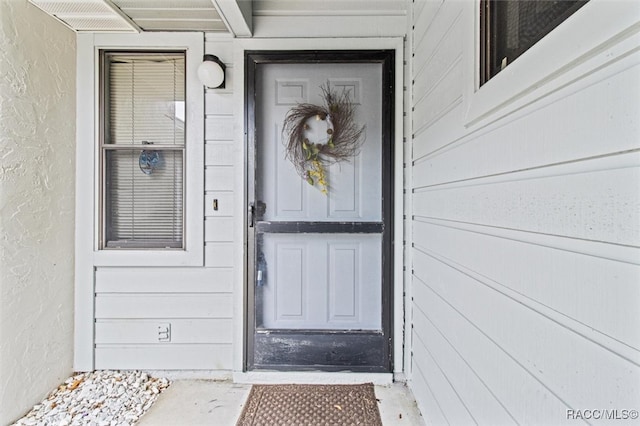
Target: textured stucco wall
[{"x": 37, "y": 151}]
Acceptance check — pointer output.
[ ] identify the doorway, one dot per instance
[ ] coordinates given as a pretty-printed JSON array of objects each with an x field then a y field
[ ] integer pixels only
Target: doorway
[{"x": 319, "y": 227}]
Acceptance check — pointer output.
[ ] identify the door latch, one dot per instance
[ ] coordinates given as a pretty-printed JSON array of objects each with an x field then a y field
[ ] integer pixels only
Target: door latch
[{"x": 256, "y": 211}]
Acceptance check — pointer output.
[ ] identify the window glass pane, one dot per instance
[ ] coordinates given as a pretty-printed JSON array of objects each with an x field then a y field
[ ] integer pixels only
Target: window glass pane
[
  {"x": 146, "y": 99},
  {"x": 143, "y": 149},
  {"x": 144, "y": 198}
]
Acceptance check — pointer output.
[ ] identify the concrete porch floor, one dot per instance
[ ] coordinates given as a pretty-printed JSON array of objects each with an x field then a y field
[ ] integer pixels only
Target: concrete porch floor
[{"x": 210, "y": 402}]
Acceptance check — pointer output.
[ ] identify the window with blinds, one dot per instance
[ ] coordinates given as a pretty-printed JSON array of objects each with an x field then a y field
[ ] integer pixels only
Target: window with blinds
[{"x": 142, "y": 150}]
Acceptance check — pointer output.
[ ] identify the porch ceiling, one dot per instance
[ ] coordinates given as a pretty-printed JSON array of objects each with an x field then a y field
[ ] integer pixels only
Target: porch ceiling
[
  {"x": 136, "y": 15},
  {"x": 217, "y": 16},
  {"x": 173, "y": 15}
]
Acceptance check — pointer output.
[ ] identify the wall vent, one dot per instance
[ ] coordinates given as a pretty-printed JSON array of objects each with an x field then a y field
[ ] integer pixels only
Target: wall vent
[{"x": 88, "y": 15}]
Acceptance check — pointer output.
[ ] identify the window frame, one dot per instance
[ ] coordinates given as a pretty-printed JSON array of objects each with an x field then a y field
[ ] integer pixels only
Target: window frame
[
  {"x": 488, "y": 37},
  {"x": 89, "y": 167},
  {"x": 574, "y": 49},
  {"x": 104, "y": 148}
]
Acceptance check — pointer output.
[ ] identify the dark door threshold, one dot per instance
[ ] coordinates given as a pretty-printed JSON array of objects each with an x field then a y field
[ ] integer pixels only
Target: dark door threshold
[{"x": 320, "y": 351}]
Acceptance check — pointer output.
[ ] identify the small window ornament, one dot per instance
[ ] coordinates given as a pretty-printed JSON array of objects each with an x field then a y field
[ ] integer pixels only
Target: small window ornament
[{"x": 148, "y": 160}]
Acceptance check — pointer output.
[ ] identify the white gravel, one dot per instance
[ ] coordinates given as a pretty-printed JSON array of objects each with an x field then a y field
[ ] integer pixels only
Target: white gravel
[{"x": 100, "y": 398}]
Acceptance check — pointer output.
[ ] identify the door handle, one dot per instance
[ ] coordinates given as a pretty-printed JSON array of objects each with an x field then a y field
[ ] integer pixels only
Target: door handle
[
  {"x": 251, "y": 214},
  {"x": 257, "y": 208}
]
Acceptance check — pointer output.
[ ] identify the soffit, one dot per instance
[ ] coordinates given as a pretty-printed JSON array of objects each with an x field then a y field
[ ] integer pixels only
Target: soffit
[
  {"x": 215, "y": 16},
  {"x": 135, "y": 15},
  {"x": 173, "y": 15}
]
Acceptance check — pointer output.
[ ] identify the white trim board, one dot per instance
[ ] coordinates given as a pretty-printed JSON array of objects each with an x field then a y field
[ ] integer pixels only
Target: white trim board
[{"x": 391, "y": 43}]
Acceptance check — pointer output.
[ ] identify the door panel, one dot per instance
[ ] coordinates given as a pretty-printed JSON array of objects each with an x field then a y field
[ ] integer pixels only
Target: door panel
[
  {"x": 320, "y": 281},
  {"x": 355, "y": 186},
  {"x": 309, "y": 272},
  {"x": 319, "y": 293}
]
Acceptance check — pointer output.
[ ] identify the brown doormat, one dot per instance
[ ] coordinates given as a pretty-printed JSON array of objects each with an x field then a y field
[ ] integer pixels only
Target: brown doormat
[{"x": 310, "y": 405}]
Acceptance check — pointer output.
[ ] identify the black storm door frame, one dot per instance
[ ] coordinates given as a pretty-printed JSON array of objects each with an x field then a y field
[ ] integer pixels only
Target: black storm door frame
[{"x": 325, "y": 350}]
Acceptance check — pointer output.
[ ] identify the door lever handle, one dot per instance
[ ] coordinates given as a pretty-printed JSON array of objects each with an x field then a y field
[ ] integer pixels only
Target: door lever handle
[
  {"x": 251, "y": 214},
  {"x": 257, "y": 208}
]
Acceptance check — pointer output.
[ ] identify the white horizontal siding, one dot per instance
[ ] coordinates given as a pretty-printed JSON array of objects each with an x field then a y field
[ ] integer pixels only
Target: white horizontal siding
[
  {"x": 545, "y": 348},
  {"x": 219, "y": 178},
  {"x": 502, "y": 375},
  {"x": 343, "y": 26},
  {"x": 218, "y": 128},
  {"x": 196, "y": 304},
  {"x": 525, "y": 233},
  {"x": 427, "y": 403},
  {"x": 226, "y": 204},
  {"x": 559, "y": 283},
  {"x": 441, "y": 99},
  {"x": 163, "y": 280},
  {"x": 146, "y": 331},
  {"x": 219, "y": 229},
  {"x": 470, "y": 388},
  {"x": 328, "y": 7},
  {"x": 435, "y": 58},
  {"x": 133, "y": 306},
  {"x": 329, "y": 18},
  {"x": 219, "y": 255},
  {"x": 222, "y": 155},
  {"x": 538, "y": 136},
  {"x": 164, "y": 357},
  {"x": 424, "y": 13},
  {"x": 594, "y": 205},
  {"x": 219, "y": 103},
  {"x": 219, "y": 153},
  {"x": 447, "y": 396},
  {"x": 171, "y": 305}
]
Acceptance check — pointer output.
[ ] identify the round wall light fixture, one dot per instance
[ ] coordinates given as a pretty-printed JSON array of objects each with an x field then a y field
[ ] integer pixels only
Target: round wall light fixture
[{"x": 211, "y": 72}]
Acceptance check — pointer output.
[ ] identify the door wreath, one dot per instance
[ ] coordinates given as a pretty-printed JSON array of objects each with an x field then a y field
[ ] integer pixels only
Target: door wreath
[{"x": 344, "y": 136}]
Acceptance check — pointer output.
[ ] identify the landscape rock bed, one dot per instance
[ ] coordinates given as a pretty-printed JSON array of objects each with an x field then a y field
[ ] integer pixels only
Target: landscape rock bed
[{"x": 99, "y": 398}]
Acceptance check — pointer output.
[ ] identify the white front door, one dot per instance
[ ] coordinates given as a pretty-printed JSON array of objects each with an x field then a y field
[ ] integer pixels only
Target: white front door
[{"x": 318, "y": 241}]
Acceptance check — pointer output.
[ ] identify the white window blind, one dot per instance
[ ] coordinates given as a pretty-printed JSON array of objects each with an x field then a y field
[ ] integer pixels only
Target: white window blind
[{"x": 143, "y": 150}]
